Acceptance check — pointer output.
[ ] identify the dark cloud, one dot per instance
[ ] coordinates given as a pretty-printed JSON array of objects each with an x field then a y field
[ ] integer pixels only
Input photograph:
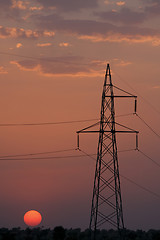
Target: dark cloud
[
  {"x": 125, "y": 16},
  {"x": 68, "y": 65},
  {"x": 153, "y": 8},
  {"x": 81, "y": 27},
  {"x": 151, "y": 2},
  {"x": 5, "y": 4},
  {"x": 90, "y": 27},
  {"x": 69, "y": 5},
  {"x": 9, "y": 12}
]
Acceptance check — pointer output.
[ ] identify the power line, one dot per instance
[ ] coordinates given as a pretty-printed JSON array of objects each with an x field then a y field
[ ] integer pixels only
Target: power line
[
  {"x": 43, "y": 158},
  {"x": 54, "y": 123},
  {"x": 88, "y": 155},
  {"x": 39, "y": 153},
  {"x": 129, "y": 180},
  {"x": 140, "y": 186},
  {"x": 145, "y": 100},
  {"x": 44, "y": 153},
  {"x": 156, "y": 163},
  {"x": 148, "y": 125},
  {"x": 44, "y": 123}
]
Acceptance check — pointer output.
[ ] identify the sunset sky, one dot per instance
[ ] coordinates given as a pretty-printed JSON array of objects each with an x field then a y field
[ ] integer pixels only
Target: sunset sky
[{"x": 53, "y": 56}]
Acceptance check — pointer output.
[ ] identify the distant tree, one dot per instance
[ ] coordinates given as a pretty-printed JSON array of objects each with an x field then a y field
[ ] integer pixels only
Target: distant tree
[
  {"x": 8, "y": 236},
  {"x": 73, "y": 234},
  {"x": 156, "y": 235},
  {"x": 131, "y": 235},
  {"x": 59, "y": 233}
]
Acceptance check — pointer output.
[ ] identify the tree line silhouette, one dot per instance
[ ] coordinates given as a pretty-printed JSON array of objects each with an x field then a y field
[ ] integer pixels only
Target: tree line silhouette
[{"x": 60, "y": 233}]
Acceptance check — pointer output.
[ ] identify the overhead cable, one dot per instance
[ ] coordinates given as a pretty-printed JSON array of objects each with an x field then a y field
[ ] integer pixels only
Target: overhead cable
[
  {"x": 38, "y": 153},
  {"x": 42, "y": 158},
  {"x": 15, "y": 156},
  {"x": 54, "y": 123},
  {"x": 140, "y": 186},
  {"x": 155, "y": 162},
  {"x": 44, "y": 123},
  {"x": 148, "y": 125},
  {"x": 129, "y": 180},
  {"x": 145, "y": 100}
]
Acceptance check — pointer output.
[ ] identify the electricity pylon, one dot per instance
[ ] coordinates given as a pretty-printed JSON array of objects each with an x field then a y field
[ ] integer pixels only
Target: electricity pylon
[{"x": 107, "y": 200}]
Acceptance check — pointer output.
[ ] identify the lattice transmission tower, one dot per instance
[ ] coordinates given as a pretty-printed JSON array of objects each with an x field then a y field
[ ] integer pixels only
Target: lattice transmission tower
[{"x": 106, "y": 205}]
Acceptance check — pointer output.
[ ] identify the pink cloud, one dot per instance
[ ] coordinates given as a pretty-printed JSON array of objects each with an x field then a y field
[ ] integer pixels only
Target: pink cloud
[
  {"x": 44, "y": 44},
  {"x": 154, "y": 40},
  {"x": 7, "y": 32},
  {"x": 156, "y": 87},
  {"x": 120, "y": 3},
  {"x": 3, "y": 70},
  {"x": 19, "y": 45},
  {"x": 36, "y": 8},
  {"x": 19, "y": 4},
  {"x": 64, "y": 44}
]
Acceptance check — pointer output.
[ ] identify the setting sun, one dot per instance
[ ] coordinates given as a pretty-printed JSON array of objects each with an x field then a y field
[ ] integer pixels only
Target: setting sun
[{"x": 32, "y": 218}]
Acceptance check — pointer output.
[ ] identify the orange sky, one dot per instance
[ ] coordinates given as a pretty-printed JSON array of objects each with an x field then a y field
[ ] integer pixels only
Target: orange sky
[{"x": 53, "y": 57}]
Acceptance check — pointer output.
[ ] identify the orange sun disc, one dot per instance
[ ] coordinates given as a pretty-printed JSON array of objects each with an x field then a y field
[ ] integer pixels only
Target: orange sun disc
[{"x": 32, "y": 218}]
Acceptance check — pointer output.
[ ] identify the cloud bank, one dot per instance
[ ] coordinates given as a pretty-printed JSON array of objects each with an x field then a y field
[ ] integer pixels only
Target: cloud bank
[
  {"x": 60, "y": 66},
  {"x": 69, "y": 5},
  {"x": 95, "y": 31}
]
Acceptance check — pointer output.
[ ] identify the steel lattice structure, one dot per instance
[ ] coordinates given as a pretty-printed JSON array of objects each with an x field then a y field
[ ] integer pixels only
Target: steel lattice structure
[
  {"x": 107, "y": 190},
  {"x": 106, "y": 200}
]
